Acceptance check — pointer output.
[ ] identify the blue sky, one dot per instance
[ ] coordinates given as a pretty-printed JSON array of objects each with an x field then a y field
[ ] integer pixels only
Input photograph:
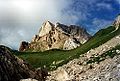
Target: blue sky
[
  {"x": 96, "y": 14},
  {"x": 22, "y": 19}
]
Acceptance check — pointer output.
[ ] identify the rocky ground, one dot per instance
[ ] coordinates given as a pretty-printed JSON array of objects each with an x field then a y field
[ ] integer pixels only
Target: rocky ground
[
  {"x": 82, "y": 69},
  {"x": 13, "y": 68}
]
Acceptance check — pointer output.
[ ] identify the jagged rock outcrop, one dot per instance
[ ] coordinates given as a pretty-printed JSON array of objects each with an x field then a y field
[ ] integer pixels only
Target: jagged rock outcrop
[
  {"x": 23, "y": 46},
  {"x": 13, "y": 68},
  {"x": 57, "y": 36}
]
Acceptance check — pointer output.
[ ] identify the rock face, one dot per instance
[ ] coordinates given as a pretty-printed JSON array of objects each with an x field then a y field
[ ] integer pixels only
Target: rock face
[
  {"x": 23, "y": 46},
  {"x": 57, "y": 36},
  {"x": 13, "y": 69}
]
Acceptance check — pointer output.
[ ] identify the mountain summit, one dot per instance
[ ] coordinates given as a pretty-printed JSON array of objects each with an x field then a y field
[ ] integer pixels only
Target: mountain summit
[{"x": 56, "y": 36}]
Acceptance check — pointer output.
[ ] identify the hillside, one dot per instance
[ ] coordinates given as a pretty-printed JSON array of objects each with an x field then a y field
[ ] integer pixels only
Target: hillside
[
  {"x": 55, "y": 58},
  {"x": 99, "y": 64},
  {"x": 13, "y": 68}
]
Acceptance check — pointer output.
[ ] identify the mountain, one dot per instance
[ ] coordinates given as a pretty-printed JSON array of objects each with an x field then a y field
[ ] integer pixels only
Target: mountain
[
  {"x": 98, "y": 59},
  {"x": 101, "y": 63},
  {"x": 13, "y": 68},
  {"x": 58, "y": 36},
  {"x": 55, "y": 58}
]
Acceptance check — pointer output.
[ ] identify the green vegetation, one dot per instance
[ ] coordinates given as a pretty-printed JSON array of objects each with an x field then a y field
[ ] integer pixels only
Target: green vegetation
[
  {"x": 55, "y": 58},
  {"x": 47, "y": 58}
]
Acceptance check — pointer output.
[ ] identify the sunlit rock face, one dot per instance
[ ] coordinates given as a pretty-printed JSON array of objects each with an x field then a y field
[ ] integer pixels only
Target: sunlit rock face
[
  {"x": 58, "y": 36},
  {"x": 70, "y": 44},
  {"x": 46, "y": 28}
]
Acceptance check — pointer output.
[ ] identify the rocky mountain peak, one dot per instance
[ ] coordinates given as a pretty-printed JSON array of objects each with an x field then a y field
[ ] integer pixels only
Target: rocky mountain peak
[
  {"x": 46, "y": 27},
  {"x": 57, "y": 36}
]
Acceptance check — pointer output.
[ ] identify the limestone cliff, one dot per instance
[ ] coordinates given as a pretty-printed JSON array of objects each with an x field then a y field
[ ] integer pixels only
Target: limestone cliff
[{"x": 57, "y": 36}]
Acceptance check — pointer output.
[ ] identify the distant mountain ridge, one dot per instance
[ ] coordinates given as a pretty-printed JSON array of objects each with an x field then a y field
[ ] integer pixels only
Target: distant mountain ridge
[{"x": 56, "y": 36}]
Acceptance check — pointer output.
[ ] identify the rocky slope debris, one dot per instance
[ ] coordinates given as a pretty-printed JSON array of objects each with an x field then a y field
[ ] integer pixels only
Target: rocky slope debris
[
  {"x": 13, "y": 68},
  {"x": 57, "y": 36},
  {"x": 95, "y": 65},
  {"x": 98, "y": 64}
]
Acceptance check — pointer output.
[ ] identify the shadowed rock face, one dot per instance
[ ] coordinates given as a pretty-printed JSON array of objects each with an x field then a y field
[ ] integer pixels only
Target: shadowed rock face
[
  {"x": 23, "y": 46},
  {"x": 58, "y": 36},
  {"x": 13, "y": 69}
]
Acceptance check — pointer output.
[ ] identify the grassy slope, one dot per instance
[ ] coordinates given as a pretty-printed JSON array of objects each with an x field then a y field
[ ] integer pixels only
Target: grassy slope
[{"x": 55, "y": 58}]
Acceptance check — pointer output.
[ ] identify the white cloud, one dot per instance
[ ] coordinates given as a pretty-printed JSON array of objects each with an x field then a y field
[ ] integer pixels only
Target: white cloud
[
  {"x": 100, "y": 23},
  {"x": 33, "y": 10},
  {"x": 20, "y": 20},
  {"x": 118, "y": 1},
  {"x": 104, "y": 6}
]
